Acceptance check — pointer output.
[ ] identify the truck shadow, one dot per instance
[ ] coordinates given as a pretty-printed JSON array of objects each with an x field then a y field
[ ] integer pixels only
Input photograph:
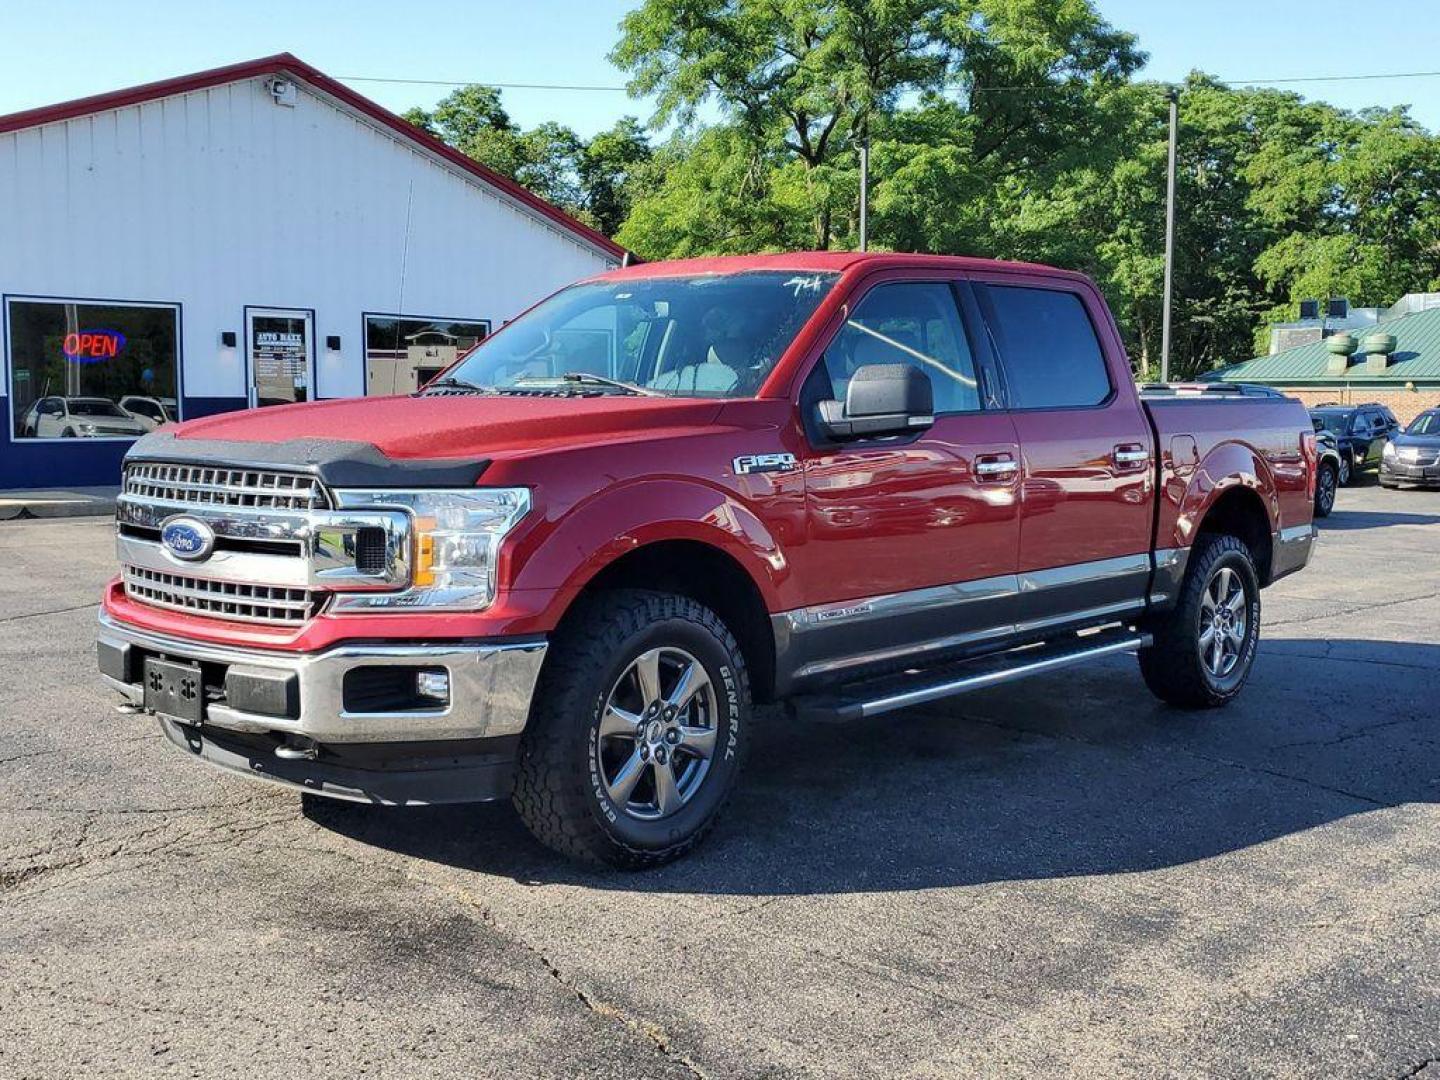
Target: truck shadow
[
  {"x": 1353, "y": 520},
  {"x": 1074, "y": 774}
]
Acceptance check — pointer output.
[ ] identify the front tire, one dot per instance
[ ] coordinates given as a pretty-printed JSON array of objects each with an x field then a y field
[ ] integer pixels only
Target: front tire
[
  {"x": 1325, "y": 484},
  {"x": 1347, "y": 471},
  {"x": 1204, "y": 647},
  {"x": 638, "y": 730}
]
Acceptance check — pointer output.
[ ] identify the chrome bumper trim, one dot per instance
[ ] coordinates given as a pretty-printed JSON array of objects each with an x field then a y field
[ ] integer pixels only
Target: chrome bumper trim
[
  {"x": 1291, "y": 550},
  {"x": 490, "y": 686}
]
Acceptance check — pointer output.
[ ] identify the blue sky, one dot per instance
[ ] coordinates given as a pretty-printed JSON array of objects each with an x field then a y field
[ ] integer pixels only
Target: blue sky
[{"x": 60, "y": 49}]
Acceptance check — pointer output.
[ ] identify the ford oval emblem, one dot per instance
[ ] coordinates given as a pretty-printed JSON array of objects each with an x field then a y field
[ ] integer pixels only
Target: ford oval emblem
[{"x": 187, "y": 538}]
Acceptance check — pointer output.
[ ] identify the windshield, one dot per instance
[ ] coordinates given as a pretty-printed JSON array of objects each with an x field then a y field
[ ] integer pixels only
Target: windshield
[
  {"x": 1335, "y": 422},
  {"x": 93, "y": 407},
  {"x": 1427, "y": 423},
  {"x": 716, "y": 335}
]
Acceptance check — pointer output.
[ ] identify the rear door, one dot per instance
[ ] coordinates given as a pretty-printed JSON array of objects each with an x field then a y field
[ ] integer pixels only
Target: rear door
[
  {"x": 1086, "y": 501},
  {"x": 911, "y": 541}
]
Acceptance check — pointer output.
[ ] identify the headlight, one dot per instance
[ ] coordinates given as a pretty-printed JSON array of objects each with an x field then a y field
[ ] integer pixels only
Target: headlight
[
  {"x": 457, "y": 537},
  {"x": 1389, "y": 450}
]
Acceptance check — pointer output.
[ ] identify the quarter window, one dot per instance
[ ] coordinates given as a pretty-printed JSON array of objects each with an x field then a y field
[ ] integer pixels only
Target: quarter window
[
  {"x": 1051, "y": 354},
  {"x": 915, "y": 324}
]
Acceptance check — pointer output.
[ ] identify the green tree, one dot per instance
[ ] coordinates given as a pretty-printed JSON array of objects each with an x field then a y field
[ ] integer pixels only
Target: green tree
[{"x": 802, "y": 80}]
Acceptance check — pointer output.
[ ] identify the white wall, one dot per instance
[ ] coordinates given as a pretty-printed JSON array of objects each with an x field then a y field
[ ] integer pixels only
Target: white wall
[{"x": 221, "y": 198}]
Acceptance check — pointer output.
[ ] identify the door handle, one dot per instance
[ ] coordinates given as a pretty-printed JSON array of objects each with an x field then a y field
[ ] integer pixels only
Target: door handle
[
  {"x": 996, "y": 467},
  {"x": 1129, "y": 455}
]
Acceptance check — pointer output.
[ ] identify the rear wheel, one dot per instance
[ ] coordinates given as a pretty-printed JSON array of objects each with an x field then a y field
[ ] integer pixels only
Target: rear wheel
[
  {"x": 637, "y": 733},
  {"x": 1203, "y": 648},
  {"x": 1326, "y": 481}
]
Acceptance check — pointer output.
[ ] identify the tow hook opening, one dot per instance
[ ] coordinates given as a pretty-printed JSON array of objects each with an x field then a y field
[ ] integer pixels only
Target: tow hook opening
[{"x": 297, "y": 748}]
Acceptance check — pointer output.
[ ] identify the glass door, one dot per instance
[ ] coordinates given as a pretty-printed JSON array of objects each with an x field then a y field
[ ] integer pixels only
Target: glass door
[{"x": 280, "y": 344}]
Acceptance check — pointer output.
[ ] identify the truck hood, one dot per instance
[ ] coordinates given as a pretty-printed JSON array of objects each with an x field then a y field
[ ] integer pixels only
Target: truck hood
[{"x": 454, "y": 427}]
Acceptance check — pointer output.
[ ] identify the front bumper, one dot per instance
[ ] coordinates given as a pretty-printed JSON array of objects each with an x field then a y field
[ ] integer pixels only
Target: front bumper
[
  {"x": 329, "y": 721},
  {"x": 1400, "y": 472}
]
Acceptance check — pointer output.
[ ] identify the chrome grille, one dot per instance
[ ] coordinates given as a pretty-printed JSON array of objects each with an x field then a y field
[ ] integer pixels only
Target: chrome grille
[
  {"x": 221, "y": 599},
  {"x": 1414, "y": 455},
  {"x": 208, "y": 485}
]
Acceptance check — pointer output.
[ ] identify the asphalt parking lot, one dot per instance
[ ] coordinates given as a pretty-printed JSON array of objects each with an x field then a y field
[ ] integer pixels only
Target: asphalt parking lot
[{"x": 1059, "y": 878}]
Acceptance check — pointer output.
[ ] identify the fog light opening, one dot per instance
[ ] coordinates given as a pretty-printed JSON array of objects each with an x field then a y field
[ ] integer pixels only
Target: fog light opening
[{"x": 433, "y": 686}]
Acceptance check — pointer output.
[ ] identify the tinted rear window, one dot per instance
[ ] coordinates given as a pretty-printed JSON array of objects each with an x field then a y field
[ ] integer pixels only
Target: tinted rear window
[{"x": 1051, "y": 354}]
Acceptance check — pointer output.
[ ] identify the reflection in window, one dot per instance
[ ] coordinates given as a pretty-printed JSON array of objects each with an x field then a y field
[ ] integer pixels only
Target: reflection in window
[
  {"x": 402, "y": 354},
  {"x": 91, "y": 370},
  {"x": 915, "y": 324}
]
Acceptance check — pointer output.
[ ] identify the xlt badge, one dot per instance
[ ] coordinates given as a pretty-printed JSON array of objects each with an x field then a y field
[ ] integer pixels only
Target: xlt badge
[{"x": 753, "y": 463}]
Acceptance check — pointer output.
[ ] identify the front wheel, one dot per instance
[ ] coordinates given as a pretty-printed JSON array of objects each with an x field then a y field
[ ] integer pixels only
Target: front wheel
[
  {"x": 637, "y": 733},
  {"x": 1325, "y": 484},
  {"x": 1203, "y": 648},
  {"x": 1347, "y": 470}
]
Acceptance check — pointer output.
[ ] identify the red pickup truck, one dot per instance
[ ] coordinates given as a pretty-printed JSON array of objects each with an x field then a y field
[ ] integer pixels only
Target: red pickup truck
[{"x": 566, "y": 570}]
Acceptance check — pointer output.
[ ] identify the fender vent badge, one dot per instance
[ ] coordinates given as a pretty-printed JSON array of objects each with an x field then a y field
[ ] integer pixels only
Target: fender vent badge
[{"x": 757, "y": 463}]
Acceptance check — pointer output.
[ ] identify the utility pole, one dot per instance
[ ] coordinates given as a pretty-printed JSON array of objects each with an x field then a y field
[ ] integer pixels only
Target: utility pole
[
  {"x": 1174, "y": 97},
  {"x": 865, "y": 192}
]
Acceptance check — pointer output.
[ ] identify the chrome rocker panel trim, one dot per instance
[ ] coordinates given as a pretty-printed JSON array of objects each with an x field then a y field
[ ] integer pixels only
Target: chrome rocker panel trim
[{"x": 490, "y": 687}]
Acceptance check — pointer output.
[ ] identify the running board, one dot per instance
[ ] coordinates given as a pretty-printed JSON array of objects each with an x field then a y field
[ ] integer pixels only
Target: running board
[{"x": 878, "y": 696}]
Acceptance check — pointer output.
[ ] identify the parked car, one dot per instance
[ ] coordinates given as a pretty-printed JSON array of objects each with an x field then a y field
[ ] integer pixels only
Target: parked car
[
  {"x": 1328, "y": 466},
  {"x": 1361, "y": 432},
  {"x": 1412, "y": 458},
  {"x": 150, "y": 411},
  {"x": 800, "y": 478},
  {"x": 78, "y": 417}
]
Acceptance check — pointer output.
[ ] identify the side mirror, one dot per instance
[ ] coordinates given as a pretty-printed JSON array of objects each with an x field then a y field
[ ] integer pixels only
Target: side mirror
[{"x": 883, "y": 399}]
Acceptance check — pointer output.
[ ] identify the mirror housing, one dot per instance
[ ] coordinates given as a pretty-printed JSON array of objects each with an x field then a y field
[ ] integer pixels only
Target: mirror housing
[{"x": 883, "y": 399}]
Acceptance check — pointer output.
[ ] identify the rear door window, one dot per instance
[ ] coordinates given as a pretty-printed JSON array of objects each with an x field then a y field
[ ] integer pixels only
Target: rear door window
[{"x": 1048, "y": 346}]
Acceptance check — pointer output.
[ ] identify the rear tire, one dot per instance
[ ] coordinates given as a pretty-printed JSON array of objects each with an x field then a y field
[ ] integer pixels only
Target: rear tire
[
  {"x": 1204, "y": 647},
  {"x": 638, "y": 730},
  {"x": 1326, "y": 482}
]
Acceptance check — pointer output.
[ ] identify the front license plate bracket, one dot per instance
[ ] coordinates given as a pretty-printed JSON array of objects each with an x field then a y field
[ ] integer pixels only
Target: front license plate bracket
[{"x": 174, "y": 689}]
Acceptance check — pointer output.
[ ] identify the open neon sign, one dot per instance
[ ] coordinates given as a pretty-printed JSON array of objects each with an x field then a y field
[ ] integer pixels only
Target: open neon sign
[{"x": 88, "y": 346}]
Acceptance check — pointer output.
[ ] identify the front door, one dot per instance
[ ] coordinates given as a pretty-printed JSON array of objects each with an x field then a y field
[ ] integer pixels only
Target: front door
[
  {"x": 911, "y": 542},
  {"x": 280, "y": 349}
]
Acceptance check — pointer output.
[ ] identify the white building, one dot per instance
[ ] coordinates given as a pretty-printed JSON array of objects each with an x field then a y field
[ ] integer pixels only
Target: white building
[{"x": 236, "y": 238}]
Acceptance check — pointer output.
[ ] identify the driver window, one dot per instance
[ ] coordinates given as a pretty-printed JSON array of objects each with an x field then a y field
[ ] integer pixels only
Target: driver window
[{"x": 916, "y": 324}]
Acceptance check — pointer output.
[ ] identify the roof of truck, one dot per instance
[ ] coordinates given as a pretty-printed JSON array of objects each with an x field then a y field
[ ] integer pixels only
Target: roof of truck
[{"x": 822, "y": 261}]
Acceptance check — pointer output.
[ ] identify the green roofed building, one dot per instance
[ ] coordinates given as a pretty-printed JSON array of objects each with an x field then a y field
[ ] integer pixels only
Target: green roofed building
[{"x": 1406, "y": 378}]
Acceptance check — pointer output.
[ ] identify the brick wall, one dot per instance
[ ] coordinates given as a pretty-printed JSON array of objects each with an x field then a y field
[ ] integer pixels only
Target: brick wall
[{"x": 1405, "y": 404}]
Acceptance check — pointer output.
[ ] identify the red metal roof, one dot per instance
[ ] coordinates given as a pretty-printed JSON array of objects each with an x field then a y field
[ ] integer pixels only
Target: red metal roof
[
  {"x": 821, "y": 261},
  {"x": 284, "y": 63}
]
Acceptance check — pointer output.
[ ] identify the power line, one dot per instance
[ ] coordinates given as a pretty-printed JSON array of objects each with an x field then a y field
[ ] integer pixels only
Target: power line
[
  {"x": 1032, "y": 88},
  {"x": 477, "y": 82}
]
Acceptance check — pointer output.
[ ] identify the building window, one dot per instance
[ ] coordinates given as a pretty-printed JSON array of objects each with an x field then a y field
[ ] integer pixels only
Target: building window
[
  {"x": 404, "y": 352},
  {"x": 92, "y": 369}
]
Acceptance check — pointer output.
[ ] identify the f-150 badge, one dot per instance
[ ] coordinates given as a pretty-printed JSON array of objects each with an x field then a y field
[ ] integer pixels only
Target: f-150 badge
[{"x": 753, "y": 463}]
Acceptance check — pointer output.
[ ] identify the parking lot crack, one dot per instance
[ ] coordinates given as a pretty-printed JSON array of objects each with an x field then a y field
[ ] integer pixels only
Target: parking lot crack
[
  {"x": 653, "y": 1033},
  {"x": 51, "y": 611},
  {"x": 1417, "y": 1068}
]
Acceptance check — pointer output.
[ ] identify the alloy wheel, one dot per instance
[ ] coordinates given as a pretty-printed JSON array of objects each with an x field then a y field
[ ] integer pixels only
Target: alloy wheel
[
  {"x": 1325, "y": 497},
  {"x": 1223, "y": 622},
  {"x": 656, "y": 736}
]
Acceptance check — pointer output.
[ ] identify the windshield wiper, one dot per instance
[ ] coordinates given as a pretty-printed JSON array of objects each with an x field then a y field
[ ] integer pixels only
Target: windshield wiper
[{"x": 602, "y": 380}]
